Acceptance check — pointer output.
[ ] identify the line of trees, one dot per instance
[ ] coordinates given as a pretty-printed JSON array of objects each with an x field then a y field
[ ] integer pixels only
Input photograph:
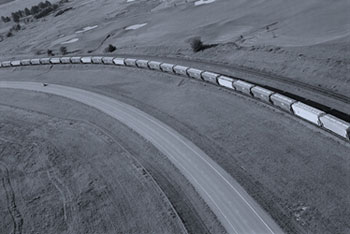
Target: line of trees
[{"x": 38, "y": 11}]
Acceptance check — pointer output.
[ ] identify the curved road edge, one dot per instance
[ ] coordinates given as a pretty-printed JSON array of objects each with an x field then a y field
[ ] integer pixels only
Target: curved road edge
[{"x": 235, "y": 209}]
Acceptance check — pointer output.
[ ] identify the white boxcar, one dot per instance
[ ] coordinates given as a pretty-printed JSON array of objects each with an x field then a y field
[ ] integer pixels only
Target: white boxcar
[
  {"x": 66, "y": 60},
  {"x": 108, "y": 60},
  {"x": 243, "y": 87},
  {"x": 211, "y": 77},
  {"x": 45, "y": 60},
  {"x": 130, "y": 62},
  {"x": 226, "y": 82},
  {"x": 336, "y": 125},
  {"x": 142, "y": 63},
  {"x": 35, "y": 61},
  {"x": 167, "y": 67},
  {"x": 55, "y": 60},
  {"x": 282, "y": 102},
  {"x": 262, "y": 93},
  {"x": 6, "y": 64},
  {"x": 16, "y": 63},
  {"x": 25, "y": 62},
  {"x": 307, "y": 112},
  {"x": 154, "y": 65},
  {"x": 75, "y": 60},
  {"x": 119, "y": 61},
  {"x": 195, "y": 73},
  {"x": 86, "y": 60},
  {"x": 181, "y": 70},
  {"x": 96, "y": 60}
]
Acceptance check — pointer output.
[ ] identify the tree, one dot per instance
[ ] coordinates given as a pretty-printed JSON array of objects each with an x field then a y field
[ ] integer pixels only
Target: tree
[
  {"x": 15, "y": 16},
  {"x": 27, "y": 11},
  {"x": 21, "y": 13},
  {"x": 34, "y": 10},
  {"x": 196, "y": 44}
]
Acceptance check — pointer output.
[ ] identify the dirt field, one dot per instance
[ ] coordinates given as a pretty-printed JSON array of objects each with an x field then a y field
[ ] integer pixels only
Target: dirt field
[
  {"x": 300, "y": 179},
  {"x": 67, "y": 176}
]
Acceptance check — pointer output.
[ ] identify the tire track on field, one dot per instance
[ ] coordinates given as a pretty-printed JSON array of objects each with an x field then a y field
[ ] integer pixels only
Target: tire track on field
[
  {"x": 16, "y": 215},
  {"x": 66, "y": 194}
]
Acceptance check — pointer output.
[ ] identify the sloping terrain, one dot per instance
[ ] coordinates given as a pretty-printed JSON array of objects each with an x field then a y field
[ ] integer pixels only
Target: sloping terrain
[{"x": 303, "y": 40}]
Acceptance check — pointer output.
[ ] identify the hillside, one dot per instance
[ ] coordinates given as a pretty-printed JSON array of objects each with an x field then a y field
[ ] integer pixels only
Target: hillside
[{"x": 302, "y": 40}]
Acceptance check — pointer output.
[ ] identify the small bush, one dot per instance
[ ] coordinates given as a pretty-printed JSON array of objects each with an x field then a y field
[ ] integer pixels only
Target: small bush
[
  {"x": 197, "y": 44},
  {"x": 50, "y": 53},
  {"x": 63, "y": 50},
  {"x": 5, "y": 19},
  {"x": 16, "y": 27},
  {"x": 110, "y": 48},
  {"x": 9, "y": 34}
]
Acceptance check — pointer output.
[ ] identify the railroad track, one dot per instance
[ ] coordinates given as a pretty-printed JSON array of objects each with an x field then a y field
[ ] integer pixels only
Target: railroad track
[
  {"x": 255, "y": 72},
  {"x": 323, "y": 116}
]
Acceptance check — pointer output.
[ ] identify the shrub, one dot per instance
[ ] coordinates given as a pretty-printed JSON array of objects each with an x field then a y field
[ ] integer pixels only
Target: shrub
[
  {"x": 16, "y": 27},
  {"x": 63, "y": 50},
  {"x": 9, "y": 34},
  {"x": 50, "y": 53},
  {"x": 5, "y": 19},
  {"x": 110, "y": 48},
  {"x": 197, "y": 44}
]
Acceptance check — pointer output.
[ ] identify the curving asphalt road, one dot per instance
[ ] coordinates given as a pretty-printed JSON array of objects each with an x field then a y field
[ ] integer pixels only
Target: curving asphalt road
[{"x": 236, "y": 210}]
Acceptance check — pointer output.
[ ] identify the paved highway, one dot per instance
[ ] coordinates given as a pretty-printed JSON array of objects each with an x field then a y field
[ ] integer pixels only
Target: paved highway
[{"x": 236, "y": 210}]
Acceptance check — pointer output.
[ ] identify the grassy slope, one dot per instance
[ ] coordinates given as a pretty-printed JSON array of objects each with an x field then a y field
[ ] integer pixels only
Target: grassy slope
[
  {"x": 69, "y": 176},
  {"x": 303, "y": 40}
]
